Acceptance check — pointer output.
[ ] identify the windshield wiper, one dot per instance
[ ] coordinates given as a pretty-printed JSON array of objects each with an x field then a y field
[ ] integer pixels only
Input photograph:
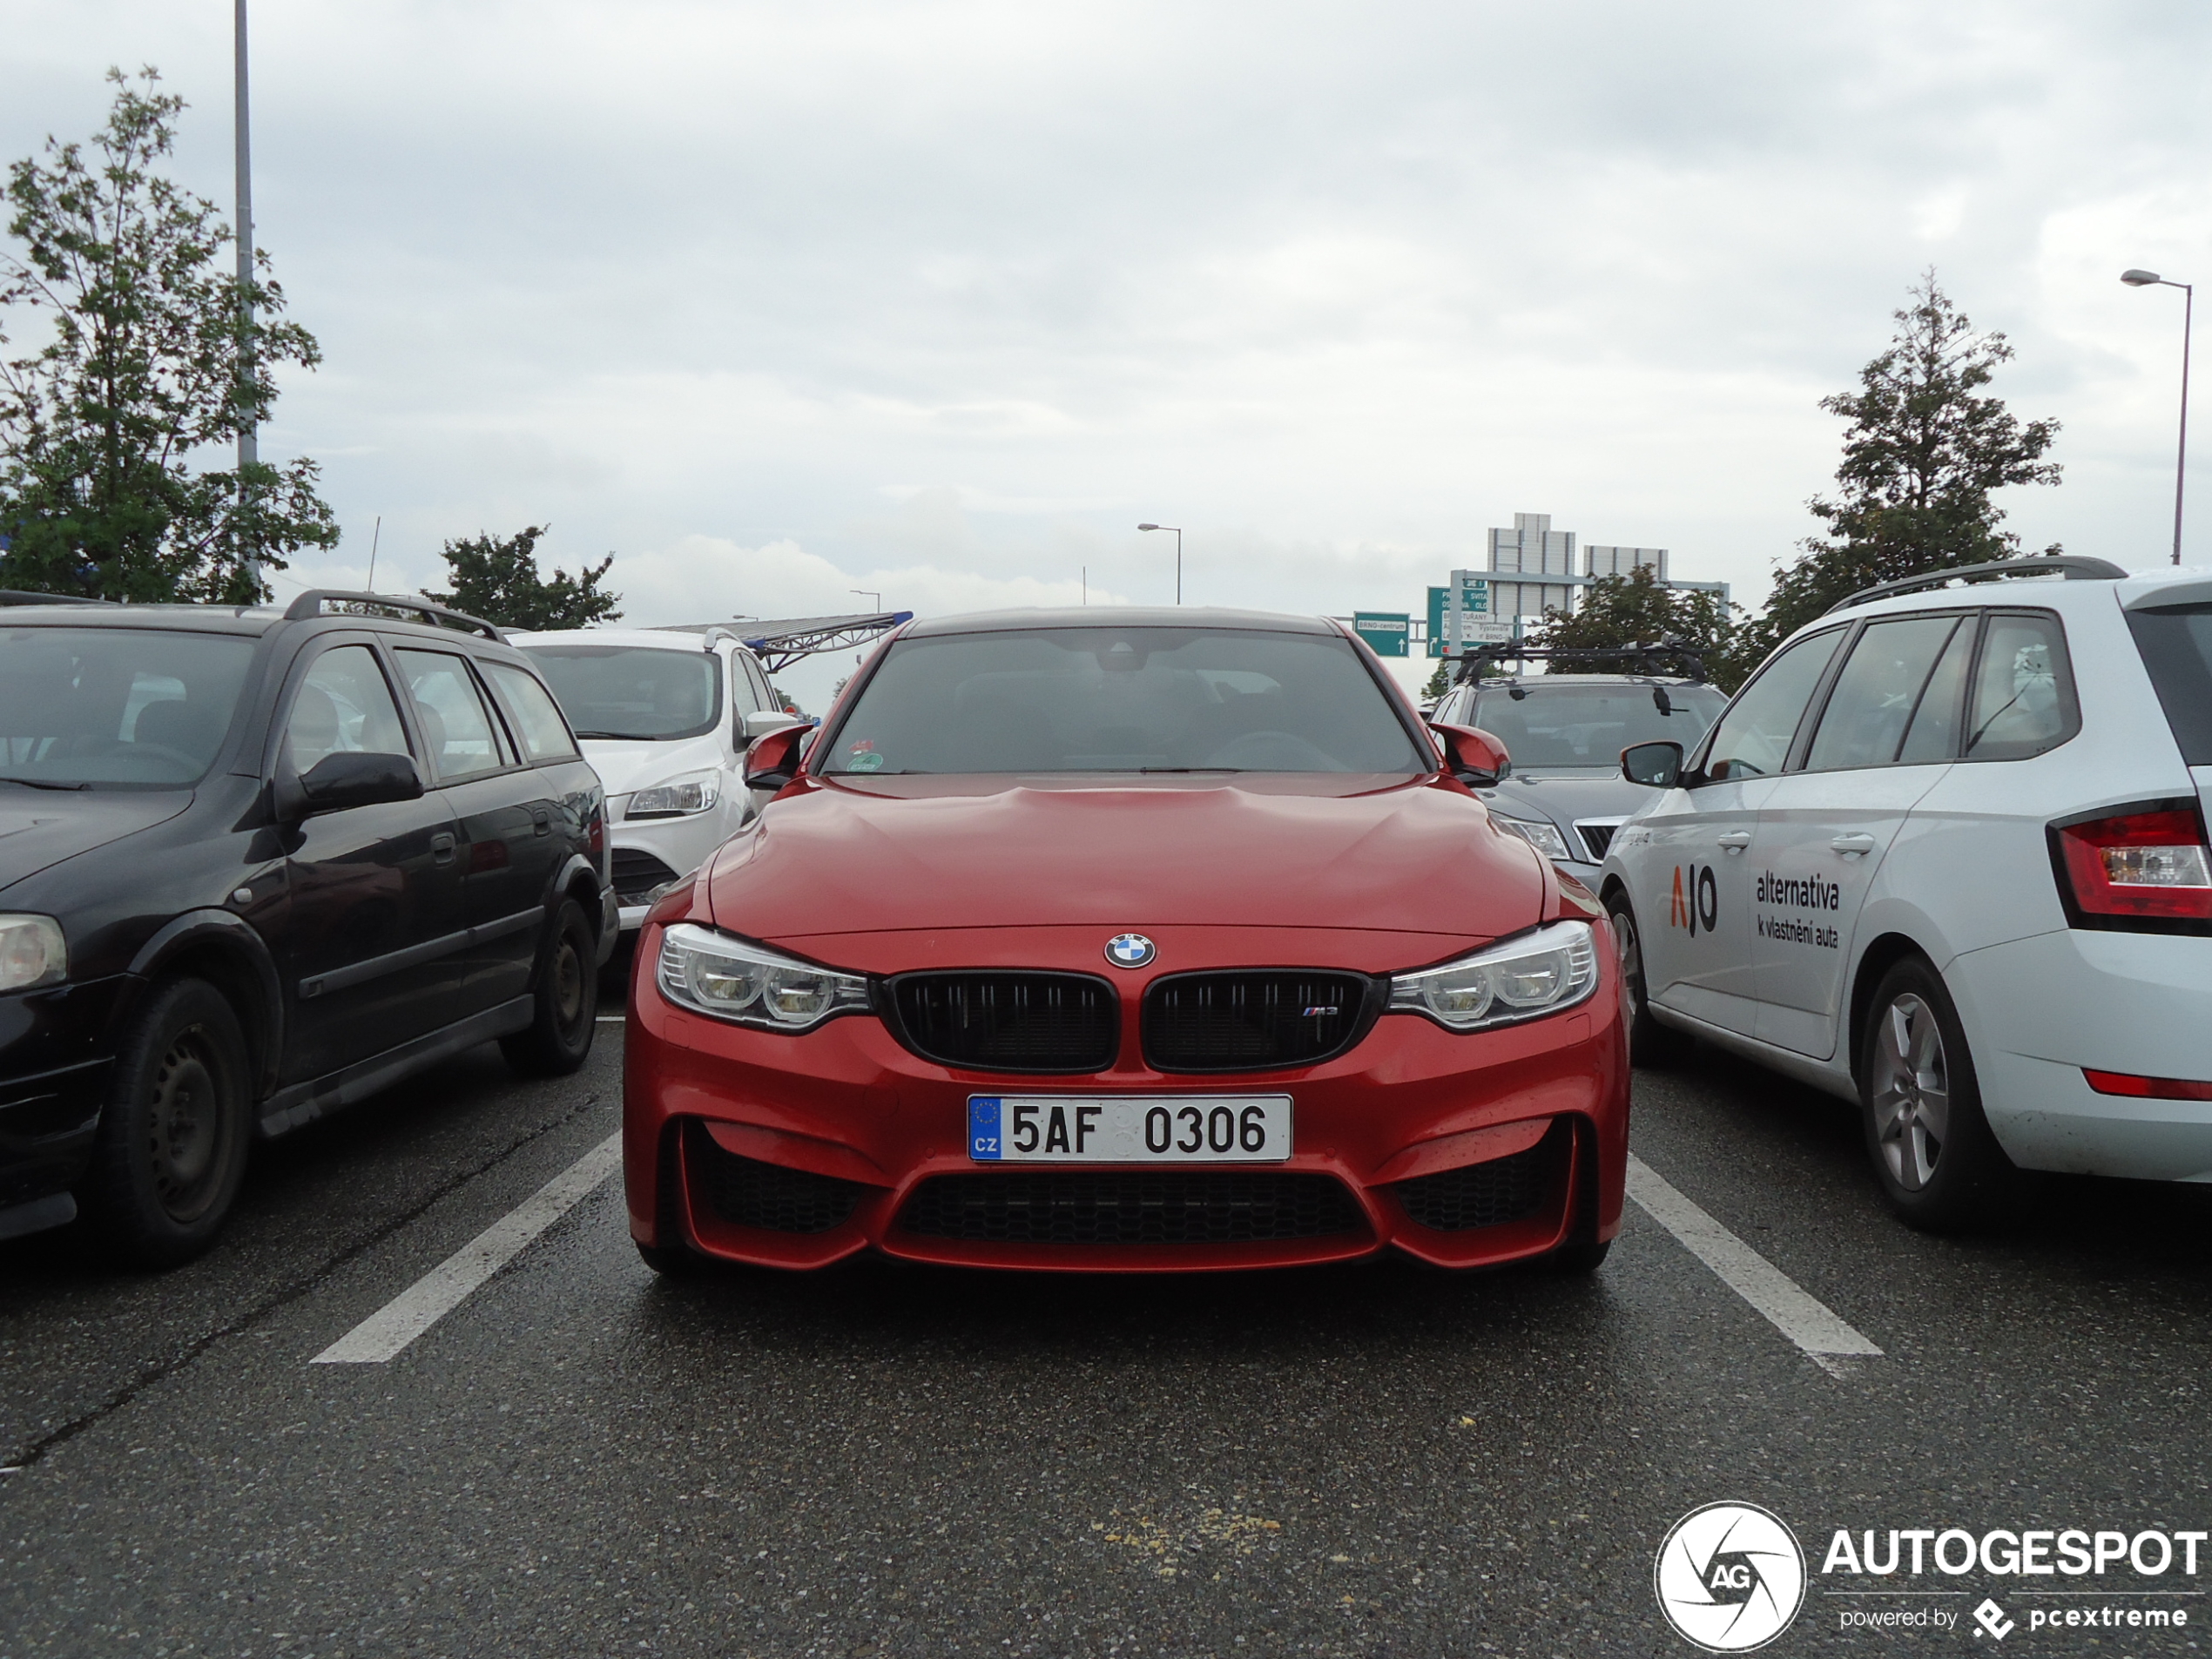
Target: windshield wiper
[
  {"x": 1194, "y": 769},
  {"x": 42, "y": 783},
  {"x": 617, "y": 736}
]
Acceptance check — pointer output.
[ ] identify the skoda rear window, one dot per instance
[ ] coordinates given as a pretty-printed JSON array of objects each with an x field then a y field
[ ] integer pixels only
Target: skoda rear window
[
  {"x": 1123, "y": 699},
  {"x": 120, "y": 707},
  {"x": 2176, "y": 644}
]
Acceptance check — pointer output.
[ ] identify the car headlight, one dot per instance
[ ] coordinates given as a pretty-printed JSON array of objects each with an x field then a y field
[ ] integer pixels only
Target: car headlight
[
  {"x": 678, "y": 797},
  {"x": 730, "y": 978},
  {"x": 1544, "y": 837},
  {"x": 32, "y": 953},
  {"x": 1525, "y": 978}
]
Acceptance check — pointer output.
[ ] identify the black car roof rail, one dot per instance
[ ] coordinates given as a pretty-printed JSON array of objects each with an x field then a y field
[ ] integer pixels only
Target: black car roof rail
[
  {"x": 23, "y": 596},
  {"x": 2073, "y": 566},
  {"x": 1688, "y": 661},
  {"x": 310, "y": 604}
]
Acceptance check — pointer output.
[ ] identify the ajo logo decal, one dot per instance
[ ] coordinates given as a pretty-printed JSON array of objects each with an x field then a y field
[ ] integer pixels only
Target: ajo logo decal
[{"x": 1695, "y": 903}]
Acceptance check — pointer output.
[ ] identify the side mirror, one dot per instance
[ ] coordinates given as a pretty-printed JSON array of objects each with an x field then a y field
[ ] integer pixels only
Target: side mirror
[
  {"x": 1657, "y": 764},
  {"x": 761, "y": 722},
  {"x": 772, "y": 761},
  {"x": 1473, "y": 756},
  {"x": 339, "y": 782}
]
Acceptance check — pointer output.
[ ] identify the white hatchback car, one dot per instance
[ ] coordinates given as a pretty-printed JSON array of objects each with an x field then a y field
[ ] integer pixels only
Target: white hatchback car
[
  {"x": 665, "y": 716},
  {"x": 1944, "y": 855}
]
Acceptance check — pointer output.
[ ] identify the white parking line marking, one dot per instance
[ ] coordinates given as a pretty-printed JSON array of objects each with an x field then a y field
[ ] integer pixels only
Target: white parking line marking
[
  {"x": 1804, "y": 1318},
  {"x": 415, "y": 1310},
  {"x": 612, "y": 1019}
]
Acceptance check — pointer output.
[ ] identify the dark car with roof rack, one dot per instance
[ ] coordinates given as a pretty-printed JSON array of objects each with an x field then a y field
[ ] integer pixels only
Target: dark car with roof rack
[
  {"x": 256, "y": 864},
  {"x": 1563, "y": 729}
]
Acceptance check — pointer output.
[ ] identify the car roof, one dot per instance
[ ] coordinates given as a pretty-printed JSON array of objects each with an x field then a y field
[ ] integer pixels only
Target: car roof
[
  {"x": 252, "y": 621},
  {"x": 648, "y": 638},
  {"x": 1530, "y": 682},
  {"x": 2054, "y": 591},
  {"x": 984, "y": 622}
]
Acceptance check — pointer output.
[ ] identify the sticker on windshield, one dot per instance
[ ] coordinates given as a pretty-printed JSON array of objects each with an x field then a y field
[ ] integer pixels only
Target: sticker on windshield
[{"x": 862, "y": 757}]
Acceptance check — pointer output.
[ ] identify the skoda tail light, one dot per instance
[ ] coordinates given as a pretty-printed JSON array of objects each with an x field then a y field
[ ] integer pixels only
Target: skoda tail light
[{"x": 2148, "y": 864}]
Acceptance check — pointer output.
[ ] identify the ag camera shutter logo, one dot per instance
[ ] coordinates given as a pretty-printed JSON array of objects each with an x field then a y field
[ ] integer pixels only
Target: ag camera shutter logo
[{"x": 1730, "y": 1577}]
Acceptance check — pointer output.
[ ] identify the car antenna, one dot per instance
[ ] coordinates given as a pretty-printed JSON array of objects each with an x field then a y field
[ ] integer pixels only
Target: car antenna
[{"x": 375, "y": 535}]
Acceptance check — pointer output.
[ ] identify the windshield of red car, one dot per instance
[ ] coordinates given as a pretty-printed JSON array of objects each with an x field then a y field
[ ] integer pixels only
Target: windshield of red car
[{"x": 1123, "y": 699}]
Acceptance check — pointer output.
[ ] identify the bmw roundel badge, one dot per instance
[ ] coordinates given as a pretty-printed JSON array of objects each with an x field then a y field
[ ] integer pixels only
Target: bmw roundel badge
[{"x": 1130, "y": 950}]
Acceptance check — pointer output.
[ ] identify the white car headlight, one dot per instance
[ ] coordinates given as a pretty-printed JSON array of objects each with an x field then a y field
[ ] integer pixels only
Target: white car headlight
[
  {"x": 32, "y": 953},
  {"x": 1545, "y": 838},
  {"x": 1525, "y": 978},
  {"x": 716, "y": 974},
  {"x": 678, "y": 797}
]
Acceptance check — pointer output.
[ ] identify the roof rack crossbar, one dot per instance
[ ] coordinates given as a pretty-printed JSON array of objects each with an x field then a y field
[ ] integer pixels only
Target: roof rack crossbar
[
  {"x": 311, "y": 602},
  {"x": 2071, "y": 566},
  {"x": 1688, "y": 660}
]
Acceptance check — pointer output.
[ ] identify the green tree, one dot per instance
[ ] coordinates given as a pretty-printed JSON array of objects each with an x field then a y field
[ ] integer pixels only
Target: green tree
[
  {"x": 1440, "y": 682},
  {"x": 154, "y": 363},
  {"x": 1633, "y": 610},
  {"x": 1922, "y": 449},
  {"x": 496, "y": 578}
]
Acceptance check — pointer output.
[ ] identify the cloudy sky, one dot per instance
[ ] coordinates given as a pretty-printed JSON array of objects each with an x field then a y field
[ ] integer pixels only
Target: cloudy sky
[{"x": 939, "y": 298}]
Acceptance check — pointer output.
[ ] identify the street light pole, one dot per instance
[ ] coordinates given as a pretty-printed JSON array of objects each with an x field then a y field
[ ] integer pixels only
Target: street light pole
[
  {"x": 249, "y": 451},
  {"x": 869, "y": 593},
  {"x": 2151, "y": 279},
  {"x": 1178, "y": 555}
]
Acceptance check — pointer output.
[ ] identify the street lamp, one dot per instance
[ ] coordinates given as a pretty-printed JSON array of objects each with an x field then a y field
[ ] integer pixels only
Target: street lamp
[
  {"x": 2151, "y": 279},
  {"x": 249, "y": 449},
  {"x": 1178, "y": 555},
  {"x": 869, "y": 593}
]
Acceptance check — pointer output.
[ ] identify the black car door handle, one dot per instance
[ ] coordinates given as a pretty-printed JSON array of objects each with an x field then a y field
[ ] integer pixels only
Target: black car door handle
[{"x": 442, "y": 848}]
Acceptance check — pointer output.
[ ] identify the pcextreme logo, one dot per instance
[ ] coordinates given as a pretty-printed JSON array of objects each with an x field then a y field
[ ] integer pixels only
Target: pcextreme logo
[
  {"x": 1730, "y": 1577},
  {"x": 1695, "y": 903}
]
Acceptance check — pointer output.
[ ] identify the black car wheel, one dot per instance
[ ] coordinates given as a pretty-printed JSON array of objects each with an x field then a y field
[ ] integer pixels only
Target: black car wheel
[
  {"x": 1939, "y": 1166},
  {"x": 172, "y": 1137},
  {"x": 1649, "y": 1042},
  {"x": 565, "y": 1006}
]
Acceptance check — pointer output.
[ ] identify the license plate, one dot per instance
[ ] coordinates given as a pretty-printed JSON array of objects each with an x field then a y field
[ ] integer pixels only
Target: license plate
[{"x": 1139, "y": 1129}]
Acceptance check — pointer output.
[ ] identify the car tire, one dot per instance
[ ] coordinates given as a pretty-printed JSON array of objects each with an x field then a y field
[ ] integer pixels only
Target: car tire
[
  {"x": 1649, "y": 1042},
  {"x": 565, "y": 1006},
  {"x": 170, "y": 1152},
  {"x": 1939, "y": 1165}
]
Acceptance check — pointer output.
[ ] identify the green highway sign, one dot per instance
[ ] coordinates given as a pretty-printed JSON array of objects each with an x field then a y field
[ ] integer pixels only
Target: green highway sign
[
  {"x": 1385, "y": 631},
  {"x": 1474, "y": 603}
]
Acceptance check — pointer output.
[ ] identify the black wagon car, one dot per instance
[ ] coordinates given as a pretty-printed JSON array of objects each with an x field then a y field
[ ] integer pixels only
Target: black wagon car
[{"x": 257, "y": 864}]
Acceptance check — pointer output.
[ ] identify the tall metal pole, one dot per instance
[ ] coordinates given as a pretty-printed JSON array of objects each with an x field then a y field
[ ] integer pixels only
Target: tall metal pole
[
  {"x": 1179, "y": 567},
  {"x": 249, "y": 453},
  {"x": 2181, "y": 462}
]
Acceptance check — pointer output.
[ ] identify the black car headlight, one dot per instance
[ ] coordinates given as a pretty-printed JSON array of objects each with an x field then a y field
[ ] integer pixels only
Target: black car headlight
[
  {"x": 32, "y": 953},
  {"x": 1524, "y": 978},
  {"x": 731, "y": 979},
  {"x": 1546, "y": 837}
]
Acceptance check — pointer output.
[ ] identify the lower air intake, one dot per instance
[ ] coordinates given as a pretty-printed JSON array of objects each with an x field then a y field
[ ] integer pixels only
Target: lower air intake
[
  {"x": 748, "y": 1193},
  {"x": 1490, "y": 1195},
  {"x": 1181, "y": 1207}
]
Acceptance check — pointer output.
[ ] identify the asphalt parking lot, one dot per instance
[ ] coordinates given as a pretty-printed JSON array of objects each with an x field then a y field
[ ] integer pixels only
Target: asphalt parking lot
[{"x": 580, "y": 1459}]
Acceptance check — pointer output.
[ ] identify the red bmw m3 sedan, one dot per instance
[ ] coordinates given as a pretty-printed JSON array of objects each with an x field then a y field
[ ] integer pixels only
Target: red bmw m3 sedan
[{"x": 1127, "y": 941}]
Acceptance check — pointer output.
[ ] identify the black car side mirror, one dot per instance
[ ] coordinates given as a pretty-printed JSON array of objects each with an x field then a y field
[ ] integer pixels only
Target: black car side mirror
[
  {"x": 1658, "y": 764},
  {"x": 338, "y": 782},
  {"x": 772, "y": 761},
  {"x": 1473, "y": 756}
]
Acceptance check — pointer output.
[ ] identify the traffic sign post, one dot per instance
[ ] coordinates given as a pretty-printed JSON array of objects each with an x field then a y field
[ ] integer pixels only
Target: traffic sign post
[
  {"x": 1385, "y": 631},
  {"x": 1452, "y": 610}
]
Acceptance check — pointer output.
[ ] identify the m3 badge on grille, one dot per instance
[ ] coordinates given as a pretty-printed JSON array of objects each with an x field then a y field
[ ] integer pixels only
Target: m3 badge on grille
[{"x": 1130, "y": 950}]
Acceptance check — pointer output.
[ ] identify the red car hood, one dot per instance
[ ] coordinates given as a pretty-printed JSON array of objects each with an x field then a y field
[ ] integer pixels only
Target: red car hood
[{"x": 1375, "y": 854}]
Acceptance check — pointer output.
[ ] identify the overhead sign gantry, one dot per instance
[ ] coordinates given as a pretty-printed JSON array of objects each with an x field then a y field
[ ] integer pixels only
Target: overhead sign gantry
[{"x": 781, "y": 644}]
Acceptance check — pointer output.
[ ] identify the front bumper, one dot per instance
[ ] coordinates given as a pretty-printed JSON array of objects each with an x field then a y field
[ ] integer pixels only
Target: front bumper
[
  {"x": 53, "y": 1079},
  {"x": 2038, "y": 1011},
  {"x": 797, "y": 1151}
]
